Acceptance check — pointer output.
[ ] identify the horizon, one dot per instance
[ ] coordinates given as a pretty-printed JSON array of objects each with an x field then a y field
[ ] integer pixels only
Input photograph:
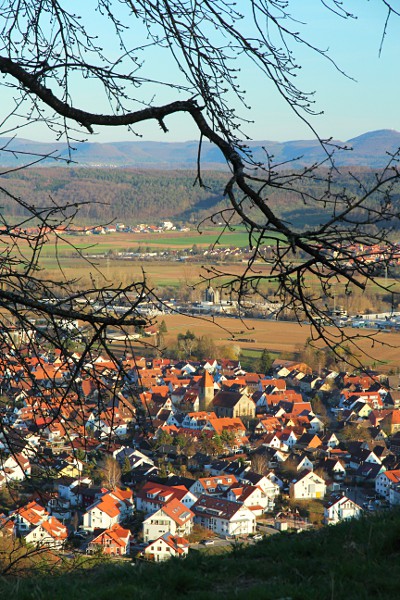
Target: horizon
[
  {"x": 194, "y": 140},
  {"x": 354, "y": 88}
]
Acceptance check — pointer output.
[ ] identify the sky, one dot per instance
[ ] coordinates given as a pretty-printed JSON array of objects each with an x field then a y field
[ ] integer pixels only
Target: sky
[{"x": 364, "y": 101}]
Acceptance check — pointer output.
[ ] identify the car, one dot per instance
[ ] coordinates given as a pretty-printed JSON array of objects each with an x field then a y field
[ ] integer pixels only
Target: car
[
  {"x": 208, "y": 542},
  {"x": 81, "y": 533},
  {"x": 257, "y": 537}
]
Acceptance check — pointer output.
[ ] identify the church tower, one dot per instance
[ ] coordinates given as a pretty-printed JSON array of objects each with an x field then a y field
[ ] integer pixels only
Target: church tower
[{"x": 206, "y": 391}]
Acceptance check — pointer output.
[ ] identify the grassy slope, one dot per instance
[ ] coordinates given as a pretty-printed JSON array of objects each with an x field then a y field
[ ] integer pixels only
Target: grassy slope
[{"x": 359, "y": 560}]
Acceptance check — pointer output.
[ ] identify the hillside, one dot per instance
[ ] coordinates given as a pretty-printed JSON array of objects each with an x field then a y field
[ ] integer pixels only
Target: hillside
[
  {"x": 135, "y": 196},
  {"x": 351, "y": 561},
  {"x": 367, "y": 150}
]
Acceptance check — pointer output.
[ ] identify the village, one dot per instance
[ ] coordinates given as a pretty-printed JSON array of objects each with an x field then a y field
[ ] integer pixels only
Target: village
[{"x": 149, "y": 458}]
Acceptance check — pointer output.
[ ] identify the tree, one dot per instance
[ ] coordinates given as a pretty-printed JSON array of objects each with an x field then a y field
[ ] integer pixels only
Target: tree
[
  {"x": 187, "y": 342},
  {"x": 163, "y": 327},
  {"x": 164, "y": 439},
  {"x": 259, "y": 463},
  {"x": 126, "y": 467},
  {"x": 50, "y": 55},
  {"x": 111, "y": 473},
  {"x": 265, "y": 362}
]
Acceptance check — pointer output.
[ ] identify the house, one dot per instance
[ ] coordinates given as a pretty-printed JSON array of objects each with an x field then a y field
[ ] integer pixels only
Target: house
[
  {"x": 385, "y": 481},
  {"x": 224, "y": 517},
  {"x": 251, "y": 496},
  {"x": 330, "y": 440},
  {"x": 309, "y": 486},
  {"x": 174, "y": 517},
  {"x": 136, "y": 458},
  {"x": 154, "y": 496},
  {"x": 304, "y": 464},
  {"x": 111, "y": 508},
  {"x": 212, "y": 486},
  {"x": 29, "y": 516},
  {"x": 15, "y": 468},
  {"x": 50, "y": 533},
  {"x": 309, "y": 441},
  {"x": 391, "y": 423},
  {"x": 335, "y": 468},
  {"x": 165, "y": 547},
  {"x": 113, "y": 541},
  {"x": 269, "y": 483},
  {"x": 362, "y": 456},
  {"x": 340, "y": 508}
]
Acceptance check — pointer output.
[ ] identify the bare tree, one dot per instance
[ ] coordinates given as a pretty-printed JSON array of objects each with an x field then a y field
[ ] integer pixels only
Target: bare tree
[
  {"x": 111, "y": 473},
  {"x": 48, "y": 51},
  {"x": 51, "y": 60}
]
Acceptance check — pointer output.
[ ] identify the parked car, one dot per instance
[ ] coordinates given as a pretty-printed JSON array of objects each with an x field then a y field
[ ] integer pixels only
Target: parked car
[
  {"x": 207, "y": 542},
  {"x": 257, "y": 537},
  {"x": 81, "y": 533}
]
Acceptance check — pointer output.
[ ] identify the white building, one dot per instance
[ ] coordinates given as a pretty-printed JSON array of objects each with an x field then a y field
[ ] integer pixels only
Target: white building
[
  {"x": 341, "y": 508},
  {"x": 309, "y": 486},
  {"x": 385, "y": 481},
  {"x": 174, "y": 518},
  {"x": 224, "y": 517},
  {"x": 166, "y": 547},
  {"x": 113, "y": 507},
  {"x": 50, "y": 533}
]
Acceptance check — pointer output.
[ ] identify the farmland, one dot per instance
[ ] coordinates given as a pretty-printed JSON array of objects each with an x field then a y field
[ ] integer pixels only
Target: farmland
[
  {"x": 284, "y": 338},
  {"x": 281, "y": 338}
]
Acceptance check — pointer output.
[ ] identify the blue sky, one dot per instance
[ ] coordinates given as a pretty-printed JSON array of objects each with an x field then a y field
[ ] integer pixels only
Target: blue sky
[{"x": 351, "y": 106}]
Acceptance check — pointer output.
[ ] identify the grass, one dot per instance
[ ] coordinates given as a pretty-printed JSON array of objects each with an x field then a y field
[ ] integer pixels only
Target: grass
[{"x": 352, "y": 561}]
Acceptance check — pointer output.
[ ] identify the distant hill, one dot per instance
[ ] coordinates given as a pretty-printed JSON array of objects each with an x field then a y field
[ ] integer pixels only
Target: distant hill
[
  {"x": 367, "y": 150},
  {"x": 152, "y": 195}
]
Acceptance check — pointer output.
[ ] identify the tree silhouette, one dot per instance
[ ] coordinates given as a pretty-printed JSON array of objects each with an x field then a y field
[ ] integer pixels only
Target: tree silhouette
[
  {"x": 50, "y": 54},
  {"x": 58, "y": 73}
]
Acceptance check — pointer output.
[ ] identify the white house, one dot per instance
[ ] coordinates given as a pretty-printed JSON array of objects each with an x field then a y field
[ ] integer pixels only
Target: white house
[
  {"x": 174, "y": 518},
  {"x": 214, "y": 485},
  {"x": 50, "y": 533},
  {"x": 15, "y": 468},
  {"x": 310, "y": 485},
  {"x": 29, "y": 516},
  {"x": 385, "y": 481},
  {"x": 251, "y": 496},
  {"x": 113, "y": 507},
  {"x": 305, "y": 464},
  {"x": 154, "y": 496},
  {"x": 341, "y": 508},
  {"x": 270, "y": 483},
  {"x": 224, "y": 517},
  {"x": 66, "y": 488},
  {"x": 165, "y": 547}
]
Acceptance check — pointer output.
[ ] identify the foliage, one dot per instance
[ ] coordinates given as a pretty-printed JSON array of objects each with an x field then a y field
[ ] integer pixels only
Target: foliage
[
  {"x": 265, "y": 362},
  {"x": 358, "y": 559}
]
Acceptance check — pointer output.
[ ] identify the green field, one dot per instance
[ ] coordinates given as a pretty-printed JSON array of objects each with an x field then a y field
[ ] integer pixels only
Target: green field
[{"x": 102, "y": 244}]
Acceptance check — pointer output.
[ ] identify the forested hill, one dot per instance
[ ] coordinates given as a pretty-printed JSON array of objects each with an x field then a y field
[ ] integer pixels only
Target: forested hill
[
  {"x": 136, "y": 196},
  {"x": 368, "y": 150}
]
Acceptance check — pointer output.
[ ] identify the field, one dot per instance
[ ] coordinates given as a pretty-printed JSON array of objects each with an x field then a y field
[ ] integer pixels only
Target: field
[
  {"x": 278, "y": 337},
  {"x": 100, "y": 244},
  {"x": 282, "y": 338}
]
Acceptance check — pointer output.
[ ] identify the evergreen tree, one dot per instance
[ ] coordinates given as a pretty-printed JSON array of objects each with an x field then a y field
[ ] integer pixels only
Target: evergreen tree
[{"x": 264, "y": 362}]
